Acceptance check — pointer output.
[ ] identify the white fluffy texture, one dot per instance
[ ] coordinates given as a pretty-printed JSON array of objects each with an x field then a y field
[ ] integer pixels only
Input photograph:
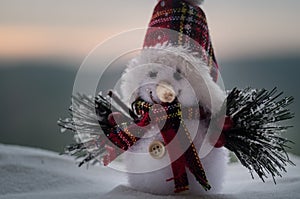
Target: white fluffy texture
[
  {"x": 196, "y": 85},
  {"x": 28, "y": 173},
  {"x": 165, "y": 60}
]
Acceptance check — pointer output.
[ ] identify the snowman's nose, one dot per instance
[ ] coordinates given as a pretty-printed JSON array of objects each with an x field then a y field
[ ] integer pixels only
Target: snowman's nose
[{"x": 165, "y": 92}]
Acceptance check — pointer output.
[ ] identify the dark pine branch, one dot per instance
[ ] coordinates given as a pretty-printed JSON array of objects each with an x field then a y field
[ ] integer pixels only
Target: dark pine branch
[{"x": 256, "y": 135}]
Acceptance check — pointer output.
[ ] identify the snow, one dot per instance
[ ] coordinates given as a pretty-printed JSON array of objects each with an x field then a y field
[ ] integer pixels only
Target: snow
[{"x": 34, "y": 174}]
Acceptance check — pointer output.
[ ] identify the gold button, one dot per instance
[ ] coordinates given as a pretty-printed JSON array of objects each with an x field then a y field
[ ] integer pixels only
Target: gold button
[{"x": 157, "y": 149}]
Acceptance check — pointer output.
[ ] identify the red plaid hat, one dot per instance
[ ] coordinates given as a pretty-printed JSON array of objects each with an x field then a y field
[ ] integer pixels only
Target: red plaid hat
[{"x": 188, "y": 20}]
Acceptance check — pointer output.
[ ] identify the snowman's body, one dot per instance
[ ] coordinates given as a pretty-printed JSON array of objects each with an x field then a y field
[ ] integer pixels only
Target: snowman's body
[
  {"x": 141, "y": 79},
  {"x": 155, "y": 180}
]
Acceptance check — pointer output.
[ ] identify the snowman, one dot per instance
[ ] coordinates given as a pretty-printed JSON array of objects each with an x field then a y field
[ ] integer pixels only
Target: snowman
[
  {"x": 164, "y": 76},
  {"x": 176, "y": 64},
  {"x": 173, "y": 133}
]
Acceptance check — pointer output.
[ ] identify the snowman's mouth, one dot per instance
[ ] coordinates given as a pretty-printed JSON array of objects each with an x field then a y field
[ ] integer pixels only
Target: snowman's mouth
[{"x": 152, "y": 98}]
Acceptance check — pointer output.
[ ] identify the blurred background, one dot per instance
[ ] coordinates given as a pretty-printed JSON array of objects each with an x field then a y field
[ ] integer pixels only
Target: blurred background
[{"x": 44, "y": 42}]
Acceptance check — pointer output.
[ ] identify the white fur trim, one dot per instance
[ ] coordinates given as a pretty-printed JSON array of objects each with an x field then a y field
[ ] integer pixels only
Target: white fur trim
[{"x": 165, "y": 60}]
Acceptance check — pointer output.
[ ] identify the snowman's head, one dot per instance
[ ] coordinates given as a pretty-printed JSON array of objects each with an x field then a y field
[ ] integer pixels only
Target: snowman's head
[{"x": 164, "y": 73}]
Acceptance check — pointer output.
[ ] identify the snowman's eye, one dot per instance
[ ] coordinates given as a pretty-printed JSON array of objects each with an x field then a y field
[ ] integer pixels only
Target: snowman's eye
[
  {"x": 152, "y": 74},
  {"x": 177, "y": 75}
]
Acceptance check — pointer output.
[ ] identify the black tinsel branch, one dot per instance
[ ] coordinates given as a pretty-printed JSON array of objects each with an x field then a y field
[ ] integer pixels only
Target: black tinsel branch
[
  {"x": 84, "y": 123},
  {"x": 255, "y": 138}
]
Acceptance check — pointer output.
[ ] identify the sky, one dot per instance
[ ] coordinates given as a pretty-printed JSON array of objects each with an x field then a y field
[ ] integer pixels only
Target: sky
[{"x": 72, "y": 28}]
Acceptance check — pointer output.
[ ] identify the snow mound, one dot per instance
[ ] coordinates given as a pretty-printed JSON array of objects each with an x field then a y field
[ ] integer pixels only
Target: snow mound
[{"x": 34, "y": 174}]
